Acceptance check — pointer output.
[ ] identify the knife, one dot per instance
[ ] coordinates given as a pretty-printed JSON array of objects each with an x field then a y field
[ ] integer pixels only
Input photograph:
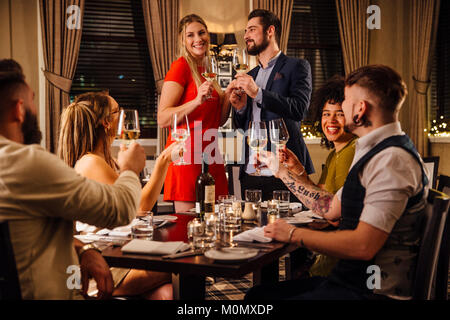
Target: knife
[{"x": 184, "y": 254}]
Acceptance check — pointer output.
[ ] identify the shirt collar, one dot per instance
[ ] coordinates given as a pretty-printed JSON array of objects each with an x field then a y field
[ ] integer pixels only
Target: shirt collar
[
  {"x": 271, "y": 61},
  {"x": 376, "y": 136}
]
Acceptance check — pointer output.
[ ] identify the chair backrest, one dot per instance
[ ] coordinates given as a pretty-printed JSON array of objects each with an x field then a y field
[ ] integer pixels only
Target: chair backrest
[
  {"x": 234, "y": 184},
  {"x": 444, "y": 184},
  {"x": 432, "y": 163},
  {"x": 434, "y": 239},
  {"x": 9, "y": 280}
]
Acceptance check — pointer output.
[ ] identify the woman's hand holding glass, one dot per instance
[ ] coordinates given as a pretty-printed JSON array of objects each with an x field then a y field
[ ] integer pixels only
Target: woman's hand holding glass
[
  {"x": 204, "y": 92},
  {"x": 172, "y": 152}
]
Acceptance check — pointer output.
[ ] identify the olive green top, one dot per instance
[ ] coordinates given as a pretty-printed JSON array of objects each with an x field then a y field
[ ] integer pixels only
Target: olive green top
[{"x": 337, "y": 166}]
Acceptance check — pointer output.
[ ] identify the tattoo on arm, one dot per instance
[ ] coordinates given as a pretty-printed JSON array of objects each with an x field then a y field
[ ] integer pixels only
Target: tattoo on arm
[{"x": 318, "y": 200}]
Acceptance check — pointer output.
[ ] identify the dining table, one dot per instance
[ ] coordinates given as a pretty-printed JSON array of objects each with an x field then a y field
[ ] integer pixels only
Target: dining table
[{"x": 189, "y": 273}]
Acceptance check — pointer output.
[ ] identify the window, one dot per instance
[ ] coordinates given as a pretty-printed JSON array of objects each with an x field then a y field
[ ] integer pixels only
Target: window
[
  {"x": 314, "y": 36},
  {"x": 440, "y": 73},
  {"x": 114, "y": 56}
]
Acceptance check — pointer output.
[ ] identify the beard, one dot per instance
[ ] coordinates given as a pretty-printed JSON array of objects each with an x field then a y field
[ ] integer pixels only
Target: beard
[
  {"x": 257, "y": 49},
  {"x": 30, "y": 129}
]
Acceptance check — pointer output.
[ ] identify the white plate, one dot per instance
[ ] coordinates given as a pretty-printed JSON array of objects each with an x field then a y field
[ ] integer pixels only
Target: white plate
[
  {"x": 231, "y": 254},
  {"x": 293, "y": 205},
  {"x": 298, "y": 221},
  {"x": 162, "y": 218}
]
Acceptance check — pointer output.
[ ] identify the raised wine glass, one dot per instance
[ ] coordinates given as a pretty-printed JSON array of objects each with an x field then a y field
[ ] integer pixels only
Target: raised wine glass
[
  {"x": 128, "y": 128},
  {"x": 210, "y": 70},
  {"x": 257, "y": 140},
  {"x": 240, "y": 61},
  {"x": 279, "y": 134},
  {"x": 180, "y": 132}
]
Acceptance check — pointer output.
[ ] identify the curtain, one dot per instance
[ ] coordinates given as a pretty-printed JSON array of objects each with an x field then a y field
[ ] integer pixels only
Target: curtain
[
  {"x": 354, "y": 33},
  {"x": 423, "y": 23},
  {"x": 161, "y": 21},
  {"x": 283, "y": 10},
  {"x": 61, "y": 46}
]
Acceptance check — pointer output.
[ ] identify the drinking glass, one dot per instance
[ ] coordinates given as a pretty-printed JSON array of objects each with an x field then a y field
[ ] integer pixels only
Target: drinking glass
[
  {"x": 210, "y": 71},
  {"x": 252, "y": 205},
  {"x": 240, "y": 62},
  {"x": 272, "y": 211},
  {"x": 232, "y": 221},
  {"x": 224, "y": 202},
  {"x": 279, "y": 134},
  {"x": 180, "y": 132},
  {"x": 143, "y": 229},
  {"x": 128, "y": 129},
  {"x": 283, "y": 199},
  {"x": 257, "y": 140}
]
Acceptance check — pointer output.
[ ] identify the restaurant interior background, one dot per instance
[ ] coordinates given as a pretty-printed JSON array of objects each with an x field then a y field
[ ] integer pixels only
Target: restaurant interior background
[{"x": 20, "y": 34}]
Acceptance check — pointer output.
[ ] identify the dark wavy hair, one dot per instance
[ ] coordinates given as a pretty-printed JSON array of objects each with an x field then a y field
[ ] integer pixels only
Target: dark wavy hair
[{"x": 331, "y": 92}]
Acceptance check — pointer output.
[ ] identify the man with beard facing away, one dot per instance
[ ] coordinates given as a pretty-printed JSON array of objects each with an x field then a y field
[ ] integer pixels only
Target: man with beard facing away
[
  {"x": 279, "y": 87},
  {"x": 41, "y": 197}
]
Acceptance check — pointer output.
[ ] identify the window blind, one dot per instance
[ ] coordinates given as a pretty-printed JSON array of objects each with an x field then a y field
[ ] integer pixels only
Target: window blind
[
  {"x": 114, "y": 56},
  {"x": 314, "y": 36}
]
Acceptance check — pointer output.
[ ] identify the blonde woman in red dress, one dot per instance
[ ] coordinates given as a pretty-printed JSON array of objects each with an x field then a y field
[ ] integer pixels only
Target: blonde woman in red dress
[{"x": 186, "y": 92}]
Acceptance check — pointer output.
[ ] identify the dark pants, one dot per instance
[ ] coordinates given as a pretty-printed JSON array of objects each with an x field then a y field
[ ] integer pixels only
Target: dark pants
[
  {"x": 266, "y": 184},
  {"x": 315, "y": 288}
]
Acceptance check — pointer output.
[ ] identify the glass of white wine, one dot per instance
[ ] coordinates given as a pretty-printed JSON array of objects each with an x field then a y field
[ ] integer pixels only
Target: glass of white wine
[
  {"x": 240, "y": 61},
  {"x": 210, "y": 70},
  {"x": 279, "y": 134},
  {"x": 180, "y": 132},
  {"x": 257, "y": 140},
  {"x": 128, "y": 129}
]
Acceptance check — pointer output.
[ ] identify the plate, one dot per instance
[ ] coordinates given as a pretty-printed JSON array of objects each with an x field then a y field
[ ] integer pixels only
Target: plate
[
  {"x": 162, "y": 218},
  {"x": 298, "y": 220},
  {"x": 231, "y": 254}
]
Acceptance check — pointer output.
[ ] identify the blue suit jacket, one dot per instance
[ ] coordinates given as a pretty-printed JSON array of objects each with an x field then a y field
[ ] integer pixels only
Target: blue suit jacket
[{"x": 287, "y": 95}]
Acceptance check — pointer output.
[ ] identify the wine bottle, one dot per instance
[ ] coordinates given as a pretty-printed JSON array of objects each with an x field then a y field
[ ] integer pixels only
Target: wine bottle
[{"x": 205, "y": 190}]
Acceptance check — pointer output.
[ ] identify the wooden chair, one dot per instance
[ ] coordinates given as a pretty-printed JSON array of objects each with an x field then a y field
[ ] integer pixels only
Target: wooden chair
[
  {"x": 9, "y": 280},
  {"x": 234, "y": 184},
  {"x": 444, "y": 184},
  {"x": 430, "y": 281},
  {"x": 432, "y": 163}
]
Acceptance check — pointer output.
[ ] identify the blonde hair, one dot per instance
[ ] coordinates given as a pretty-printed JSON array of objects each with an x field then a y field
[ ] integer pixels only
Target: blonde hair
[
  {"x": 81, "y": 128},
  {"x": 183, "y": 52}
]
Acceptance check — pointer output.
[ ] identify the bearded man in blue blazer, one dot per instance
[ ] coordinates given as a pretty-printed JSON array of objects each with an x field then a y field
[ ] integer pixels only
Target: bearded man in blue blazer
[{"x": 279, "y": 87}]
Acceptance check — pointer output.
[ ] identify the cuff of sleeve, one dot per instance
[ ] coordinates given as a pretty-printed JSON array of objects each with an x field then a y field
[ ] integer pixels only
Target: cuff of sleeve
[{"x": 259, "y": 96}]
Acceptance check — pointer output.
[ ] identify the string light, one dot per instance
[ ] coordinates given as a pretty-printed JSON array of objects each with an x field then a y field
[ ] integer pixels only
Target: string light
[{"x": 439, "y": 128}]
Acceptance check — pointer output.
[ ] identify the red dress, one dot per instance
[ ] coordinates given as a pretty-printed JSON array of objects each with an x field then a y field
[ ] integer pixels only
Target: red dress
[{"x": 203, "y": 123}]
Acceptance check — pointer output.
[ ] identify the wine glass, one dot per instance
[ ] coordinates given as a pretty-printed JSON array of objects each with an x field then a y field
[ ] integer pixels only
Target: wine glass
[
  {"x": 210, "y": 70},
  {"x": 128, "y": 128},
  {"x": 257, "y": 140},
  {"x": 180, "y": 132},
  {"x": 279, "y": 134},
  {"x": 240, "y": 62}
]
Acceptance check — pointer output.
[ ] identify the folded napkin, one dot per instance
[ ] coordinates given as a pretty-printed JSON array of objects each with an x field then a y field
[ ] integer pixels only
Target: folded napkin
[
  {"x": 255, "y": 234},
  {"x": 154, "y": 247}
]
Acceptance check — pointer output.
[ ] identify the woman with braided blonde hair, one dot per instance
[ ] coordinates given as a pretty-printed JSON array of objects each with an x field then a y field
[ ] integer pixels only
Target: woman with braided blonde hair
[{"x": 87, "y": 131}]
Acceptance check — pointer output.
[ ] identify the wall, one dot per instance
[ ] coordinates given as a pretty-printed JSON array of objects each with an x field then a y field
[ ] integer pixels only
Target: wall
[
  {"x": 390, "y": 45},
  {"x": 20, "y": 40}
]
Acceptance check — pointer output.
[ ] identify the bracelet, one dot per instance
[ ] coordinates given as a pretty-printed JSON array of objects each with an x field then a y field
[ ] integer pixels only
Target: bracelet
[
  {"x": 302, "y": 172},
  {"x": 86, "y": 247},
  {"x": 291, "y": 232}
]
